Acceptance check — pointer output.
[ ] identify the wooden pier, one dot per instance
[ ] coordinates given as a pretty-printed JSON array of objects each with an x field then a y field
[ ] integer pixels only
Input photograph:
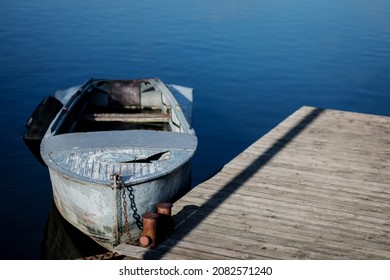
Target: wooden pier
[{"x": 317, "y": 186}]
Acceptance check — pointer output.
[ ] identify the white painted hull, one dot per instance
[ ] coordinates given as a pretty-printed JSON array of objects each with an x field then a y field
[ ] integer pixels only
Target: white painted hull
[
  {"x": 97, "y": 210},
  {"x": 153, "y": 165}
]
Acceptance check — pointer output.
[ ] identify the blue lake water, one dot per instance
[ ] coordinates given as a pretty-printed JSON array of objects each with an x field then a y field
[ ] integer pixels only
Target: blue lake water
[{"x": 252, "y": 63}]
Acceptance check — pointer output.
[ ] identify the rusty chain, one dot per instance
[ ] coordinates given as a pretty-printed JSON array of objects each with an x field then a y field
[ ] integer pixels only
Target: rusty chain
[
  {"x": 125, "y": 211},
  {"x": 105, "y": 256},
  {"x": 119, "y": 184}
]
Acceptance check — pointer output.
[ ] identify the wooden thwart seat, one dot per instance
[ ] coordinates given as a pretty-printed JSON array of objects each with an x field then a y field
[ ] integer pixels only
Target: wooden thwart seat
[{"x": 122, "y": 117}]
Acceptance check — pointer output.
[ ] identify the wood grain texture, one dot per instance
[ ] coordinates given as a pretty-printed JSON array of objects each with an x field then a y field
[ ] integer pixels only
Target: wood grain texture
[{"x": 317, "y": 186}]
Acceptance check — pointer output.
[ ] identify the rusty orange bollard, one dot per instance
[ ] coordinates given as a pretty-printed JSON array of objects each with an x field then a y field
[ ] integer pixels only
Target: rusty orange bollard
[
  {"x": 164, "y": 210},
  {"x": 149, "y": 233}
]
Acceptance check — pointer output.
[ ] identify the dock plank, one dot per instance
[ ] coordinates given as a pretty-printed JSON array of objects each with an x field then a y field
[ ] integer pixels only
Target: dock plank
[{"x": 317, "y": 186}]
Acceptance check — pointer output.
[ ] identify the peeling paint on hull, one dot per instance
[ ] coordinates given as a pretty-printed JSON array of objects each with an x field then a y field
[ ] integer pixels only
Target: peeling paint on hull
[
  {"x": 97, "y": 210},
  {"x": 153, "y": 166}
]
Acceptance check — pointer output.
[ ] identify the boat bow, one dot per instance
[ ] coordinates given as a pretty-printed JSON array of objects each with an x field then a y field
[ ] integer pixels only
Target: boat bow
[{"x": 136, "y": 155}]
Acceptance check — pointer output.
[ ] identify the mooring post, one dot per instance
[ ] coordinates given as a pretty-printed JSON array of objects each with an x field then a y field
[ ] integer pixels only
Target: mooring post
[
  {"x": 164, "y": 210},
  {"x": 149, "y": 233}
]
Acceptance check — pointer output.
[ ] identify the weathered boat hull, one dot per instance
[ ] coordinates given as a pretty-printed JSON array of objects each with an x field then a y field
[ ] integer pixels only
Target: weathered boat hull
[
  {"x": 115, "y": 150},
  {"x": 63, "y": 241},
  {"x": 97, "y": 210}
]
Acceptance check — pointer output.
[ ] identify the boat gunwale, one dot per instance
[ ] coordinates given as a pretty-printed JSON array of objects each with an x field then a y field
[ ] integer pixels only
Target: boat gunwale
[{"x": 88, "y": 86}]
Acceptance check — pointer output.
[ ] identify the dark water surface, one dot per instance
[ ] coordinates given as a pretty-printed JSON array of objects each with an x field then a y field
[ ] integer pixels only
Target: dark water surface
[{"x": 252, "y": 63}]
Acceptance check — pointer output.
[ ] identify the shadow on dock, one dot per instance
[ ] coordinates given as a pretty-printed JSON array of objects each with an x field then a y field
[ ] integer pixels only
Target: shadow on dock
[{"x": 195, "y": 215}]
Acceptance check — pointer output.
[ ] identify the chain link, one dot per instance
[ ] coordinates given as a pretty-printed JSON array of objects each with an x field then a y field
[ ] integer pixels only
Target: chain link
[
  {"x": 118, "y": 184},
  {"x": 105, "y": 256},
  {"x": 125, "y": 212},
  {"x": 133, "y": 207}
]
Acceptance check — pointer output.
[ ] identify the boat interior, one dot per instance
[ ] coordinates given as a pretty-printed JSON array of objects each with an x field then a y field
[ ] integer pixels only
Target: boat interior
[{"x": 120, "y": 105}]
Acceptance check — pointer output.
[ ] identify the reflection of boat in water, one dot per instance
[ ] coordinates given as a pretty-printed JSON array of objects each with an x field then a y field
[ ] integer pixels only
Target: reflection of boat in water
[
  {"x": 63, "y": 241},
  {"x": 115, "y": 150}
]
